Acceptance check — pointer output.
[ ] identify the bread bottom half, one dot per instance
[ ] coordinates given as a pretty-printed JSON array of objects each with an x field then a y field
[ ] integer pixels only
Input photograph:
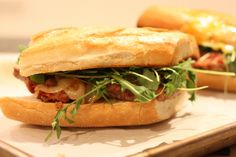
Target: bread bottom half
[
  {"x": 32, "y": 111},
  {"x": 217, "y": 82}
]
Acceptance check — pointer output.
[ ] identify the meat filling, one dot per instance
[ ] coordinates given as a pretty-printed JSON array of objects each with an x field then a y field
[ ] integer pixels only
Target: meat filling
[
  {"x": 29, "y": 84},
  {"x": 66, "y": 90},
  {"x": 211, "y": 61},
  {"x": 53, "y": 97},
  {"x": 114, "y": 91}
]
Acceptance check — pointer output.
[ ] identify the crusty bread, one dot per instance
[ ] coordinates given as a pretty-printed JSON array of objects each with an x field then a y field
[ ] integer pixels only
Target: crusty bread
[
  {"x": 204, "y": 25},
  {"x": 218, "y": 28},
  {"x": 32, "y": 111},
  {"x": 217, "y": 82},
  {"x": 84, "y": 48},
  {"x": 162, "y": 17}
]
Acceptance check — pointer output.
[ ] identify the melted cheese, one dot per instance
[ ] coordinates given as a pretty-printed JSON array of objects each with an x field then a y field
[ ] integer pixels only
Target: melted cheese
[
  {"x": 74, "y": 88},
  {"x": 207, "y": 28}
]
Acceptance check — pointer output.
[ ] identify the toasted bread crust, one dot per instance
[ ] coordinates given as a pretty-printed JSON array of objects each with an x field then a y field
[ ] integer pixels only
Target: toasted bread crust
[
  {"x": 218, "y": 28},
  {"x": 85, "y": 48},
  {"x": 204, "y": 25},
  {"x": 216, "y": 82},
  {"x": 161, "y": 17},
  {"x": 32, "y": 111}
]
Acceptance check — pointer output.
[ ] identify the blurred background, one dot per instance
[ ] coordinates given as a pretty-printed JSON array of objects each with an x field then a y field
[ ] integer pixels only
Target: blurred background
[{"x": 19, "y": 19}]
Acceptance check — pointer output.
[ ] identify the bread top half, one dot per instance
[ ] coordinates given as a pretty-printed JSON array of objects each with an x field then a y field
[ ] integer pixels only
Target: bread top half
[
  {"x": 67, "y": 49},
  {"x": 206, "y": 26}
]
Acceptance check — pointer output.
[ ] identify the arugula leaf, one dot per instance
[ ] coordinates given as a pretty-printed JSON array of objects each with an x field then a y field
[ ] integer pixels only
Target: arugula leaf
[
  {"x": 169, "y": 88},
  {"x": 70, "y": 121},
  {"x": 142, "y": 93},
  {"x": 58, "y": 129},
  {"x": 212, "y": 72},
  {"x": 157, "y": 75},
  {"x": 77, "y": 103},
  {"x": 100, "y": 92},
  {"x": 152, "y": 83},
  {"x": 192, "y": 76},
  {"x": 173, "y": 80},
  {"x": 185, "y": 78},
  {"x": 191, "y": 83},
  {"x": 232, "y": 66},
  {"x": 38, "y": 78},
  {"x": 141, "y": 76},
  {"x": 56, "y": 123},
  {"x": 63, "y": 112}
]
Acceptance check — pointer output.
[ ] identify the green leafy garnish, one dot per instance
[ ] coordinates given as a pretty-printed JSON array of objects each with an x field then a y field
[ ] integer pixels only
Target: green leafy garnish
[
  {"x": 75, "y": 107},
  {"x": 142, "y": 93},
  {"x": 38, "y": 78},
  {"x": 154, "y": 80},
  {"x": 212, "y": 72},
  {"x": 143, "y": 83},
  {"x": 232, "y": 66},
  {"x": 191, "y": 84}
]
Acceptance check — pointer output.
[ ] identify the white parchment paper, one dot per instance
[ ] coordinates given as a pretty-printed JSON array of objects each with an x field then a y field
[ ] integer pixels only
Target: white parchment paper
[{"x": 211, "y": 110}]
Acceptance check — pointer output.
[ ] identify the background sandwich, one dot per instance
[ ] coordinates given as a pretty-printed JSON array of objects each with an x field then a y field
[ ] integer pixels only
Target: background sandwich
[
  {"x": 215, "y": 34},
  {"x": 97, "y": 77}
]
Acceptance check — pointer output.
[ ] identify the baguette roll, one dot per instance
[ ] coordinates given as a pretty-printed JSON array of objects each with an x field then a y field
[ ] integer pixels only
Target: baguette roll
[
  {"x": 85, "y": 68},
  {"x": 32, "y": 111},
  {"x": 206, "y": 26}
]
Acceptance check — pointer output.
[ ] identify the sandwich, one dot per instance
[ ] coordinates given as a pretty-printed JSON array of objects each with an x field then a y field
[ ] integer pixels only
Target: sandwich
[
  {"x": 102, "y": 77},
  {"x": 216, "y": 37}
]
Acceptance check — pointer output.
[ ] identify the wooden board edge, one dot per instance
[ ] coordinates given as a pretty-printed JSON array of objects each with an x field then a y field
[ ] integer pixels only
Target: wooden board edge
[
  {"x": 198, "y": 145},
  {"x": 6, "y": 150}
]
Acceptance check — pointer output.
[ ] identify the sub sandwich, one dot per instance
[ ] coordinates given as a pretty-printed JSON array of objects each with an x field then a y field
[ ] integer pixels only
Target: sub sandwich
[
  {"x": 216, "y": 37},
  {"x": 99, "y": 77}
]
